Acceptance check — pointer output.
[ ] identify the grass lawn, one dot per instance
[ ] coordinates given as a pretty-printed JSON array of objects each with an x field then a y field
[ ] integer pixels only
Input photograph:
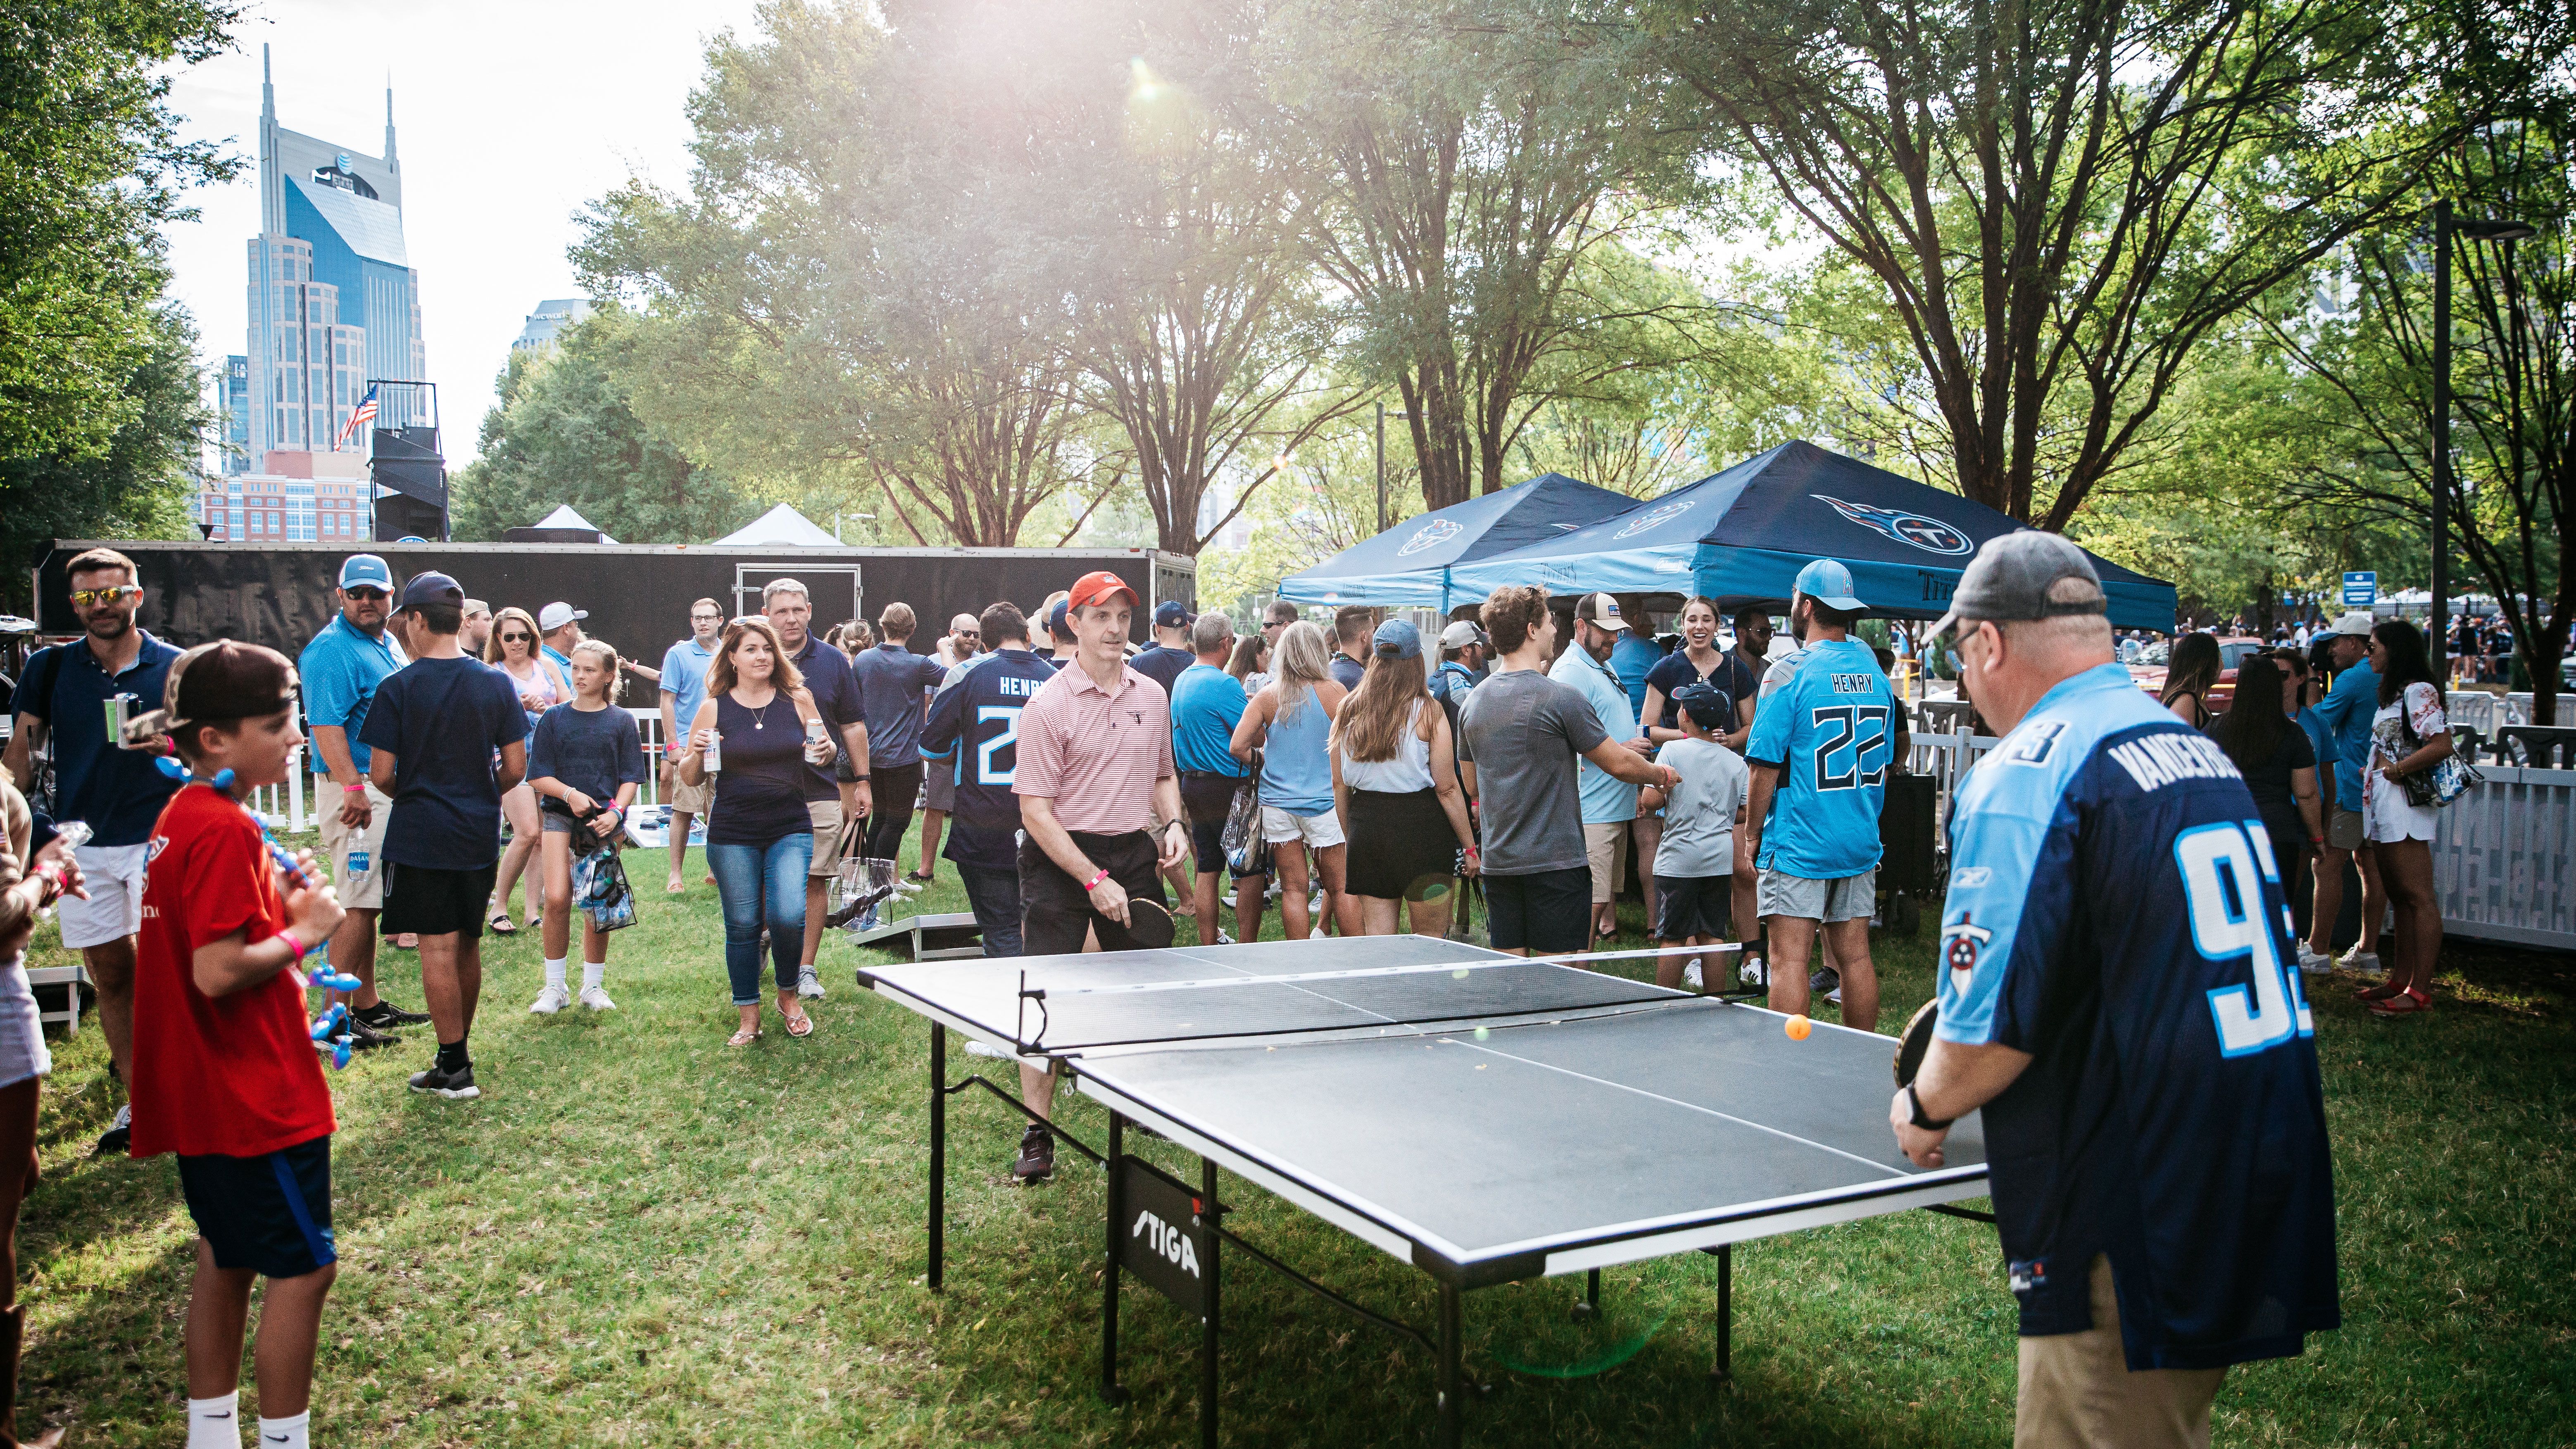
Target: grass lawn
[{"x": 639, "y": 1236}]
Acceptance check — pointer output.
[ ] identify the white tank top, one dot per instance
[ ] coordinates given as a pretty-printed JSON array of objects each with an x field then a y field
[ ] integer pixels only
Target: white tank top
[{"x": 1406, "y": 774}]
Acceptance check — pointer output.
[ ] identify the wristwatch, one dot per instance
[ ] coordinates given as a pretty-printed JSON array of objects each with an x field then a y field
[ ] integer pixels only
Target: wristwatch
[{"x": 1914, "y": 1113}]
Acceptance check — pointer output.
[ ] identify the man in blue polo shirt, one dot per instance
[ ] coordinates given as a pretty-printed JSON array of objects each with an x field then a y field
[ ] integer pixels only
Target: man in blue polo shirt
[
  {"x": 2347, "y": 710},
  {"x": 1823, "y": 733},
  {"x": 1609, "y": 803},
  {"x": 67, "y": 695},
  {"x": 1207, "y": 703},
  {"x": 339, "y": 672},
  {"x": 2119, "y": 998},
  {"x": 829, "y": 800},
  {"x": 973, "y": 733},
  {"x": 681, "y": 689}
]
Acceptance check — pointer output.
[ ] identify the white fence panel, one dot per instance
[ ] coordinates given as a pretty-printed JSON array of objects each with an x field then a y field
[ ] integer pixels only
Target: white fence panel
[
  {"x": 2504, "y": 866},
  {"x": 648, "y": 727}
]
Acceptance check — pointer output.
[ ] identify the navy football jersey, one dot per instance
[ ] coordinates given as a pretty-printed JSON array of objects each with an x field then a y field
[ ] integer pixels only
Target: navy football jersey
[
  {"x": 973, "y": 732},
  {"x": 2115, "y": 910}
]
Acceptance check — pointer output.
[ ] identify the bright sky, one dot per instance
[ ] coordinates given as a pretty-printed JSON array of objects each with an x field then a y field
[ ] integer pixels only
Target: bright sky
[{"x": 509, "y": 116}]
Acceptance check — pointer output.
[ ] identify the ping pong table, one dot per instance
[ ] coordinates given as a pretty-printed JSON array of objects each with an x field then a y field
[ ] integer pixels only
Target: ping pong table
[{"x": 1485, "y": 1118}]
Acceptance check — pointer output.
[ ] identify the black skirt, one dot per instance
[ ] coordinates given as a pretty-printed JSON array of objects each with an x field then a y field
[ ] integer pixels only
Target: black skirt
[{"x": 1402, "y": 846}]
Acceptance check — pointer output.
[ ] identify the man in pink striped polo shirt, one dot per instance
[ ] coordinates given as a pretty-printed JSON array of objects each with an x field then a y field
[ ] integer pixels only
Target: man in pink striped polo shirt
[{"x": 1100, "y": 805}]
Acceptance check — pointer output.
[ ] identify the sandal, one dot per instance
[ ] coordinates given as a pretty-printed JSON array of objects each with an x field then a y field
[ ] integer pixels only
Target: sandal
[
  {"x": 2409, "y": 1002},
  {"x": 2384, "y": 991},
  {"x": 501, "y": 924},
  {"x": 744, "y": 1037},
  {"x": 800, "y": 1019},
  {"x": 919, "y": 877}
]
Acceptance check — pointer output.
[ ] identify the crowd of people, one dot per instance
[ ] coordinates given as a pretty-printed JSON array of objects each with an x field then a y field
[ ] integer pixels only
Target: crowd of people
[{"x": 1525, "y": 755}]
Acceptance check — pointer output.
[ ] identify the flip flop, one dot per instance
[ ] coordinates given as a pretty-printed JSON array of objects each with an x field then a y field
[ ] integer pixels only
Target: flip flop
[
  {"x": 919, "y": 877},
  {"x": 673, "y": 888},
  {"x": 744, "y": 1037},
  {"x": 804, "y": 1020},
  {"x": 501, "y": 925}
]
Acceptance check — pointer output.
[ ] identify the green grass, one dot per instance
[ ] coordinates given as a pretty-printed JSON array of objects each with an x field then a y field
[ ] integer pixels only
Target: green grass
[{"x": 639, "y": 1236}]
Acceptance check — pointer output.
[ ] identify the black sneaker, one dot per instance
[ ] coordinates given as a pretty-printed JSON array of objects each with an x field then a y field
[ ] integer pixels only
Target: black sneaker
[
  {"x": 1037, "y": 1156},
  {"x": 455, "y": 1086},
  {"x": 1827, "y": 983},
  {"x": 120, "y": 1132},
  {"x": 365, "y": 1038},
  {"x": 385, "y": 1016}
]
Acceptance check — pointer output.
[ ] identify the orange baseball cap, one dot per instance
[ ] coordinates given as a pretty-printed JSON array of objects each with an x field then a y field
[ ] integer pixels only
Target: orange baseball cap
[{"x": 1099, "y": 587}]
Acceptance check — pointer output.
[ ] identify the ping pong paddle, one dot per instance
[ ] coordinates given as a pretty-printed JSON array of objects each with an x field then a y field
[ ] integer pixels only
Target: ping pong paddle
[
  {"x": 1910, "y": 1048},
  {"x": 1149, "y": 924}
]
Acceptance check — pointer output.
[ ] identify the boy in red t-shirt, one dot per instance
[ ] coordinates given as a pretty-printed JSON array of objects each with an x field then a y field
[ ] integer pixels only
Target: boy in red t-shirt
[{"x": 224, "y": 1063}]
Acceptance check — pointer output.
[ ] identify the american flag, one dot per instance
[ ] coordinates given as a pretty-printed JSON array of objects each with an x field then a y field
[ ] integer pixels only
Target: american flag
[{"x": 365, "y": 414}]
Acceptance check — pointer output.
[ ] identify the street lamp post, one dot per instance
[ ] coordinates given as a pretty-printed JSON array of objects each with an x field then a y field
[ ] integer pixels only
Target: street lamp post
[
  {"x": 2439, "y": 616},
  {"x": 1381, "y": 464}
]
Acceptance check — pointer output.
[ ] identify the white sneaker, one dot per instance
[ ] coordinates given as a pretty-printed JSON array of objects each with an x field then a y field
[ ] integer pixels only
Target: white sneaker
[
  {"x": 596, "y": 998},
  {"x": 1223, "y": 939},
  {"x": 2312, "y": 964},
  {"x": 550, "y": 1001},
  {"x": 2361, "y": 963},
  {"x": 1691, "y": 977},
  {"x": 808, "y": 985}
]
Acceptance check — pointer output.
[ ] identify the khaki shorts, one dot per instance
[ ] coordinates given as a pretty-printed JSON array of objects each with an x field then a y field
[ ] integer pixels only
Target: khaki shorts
[
  {"x": 2077, "y": 1388},
  {"x": 695, "y": 799},
  {"x": 1851, "y": 898},
  {"x": 1605, "y": 846},
  {"x": 359, "y": 891},
  {"x": 2343, "y": 829},
  {"x": 826, "y": 815}
]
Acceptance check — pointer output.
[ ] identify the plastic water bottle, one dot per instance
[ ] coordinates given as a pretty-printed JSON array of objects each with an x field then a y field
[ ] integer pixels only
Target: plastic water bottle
[
  {"x": 75, "y": 834},
  {"x": 357, "y": 865}
]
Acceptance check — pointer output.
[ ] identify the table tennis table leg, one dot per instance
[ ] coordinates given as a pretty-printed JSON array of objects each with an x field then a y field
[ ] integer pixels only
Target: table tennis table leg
[
  {"x": 1449, "y": 1429},
  {"x": 1726, "y": 1311},
  {"x": 1590, "y": 1307},
  {"x": 938, "y": 1150},
  {"x": 1211, "y": 1213},
  {"x": 1109, "y": 1389}
]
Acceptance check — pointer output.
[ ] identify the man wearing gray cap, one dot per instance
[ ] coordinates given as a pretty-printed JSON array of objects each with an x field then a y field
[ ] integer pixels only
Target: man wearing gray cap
[{"x": 2119, "y": 995}]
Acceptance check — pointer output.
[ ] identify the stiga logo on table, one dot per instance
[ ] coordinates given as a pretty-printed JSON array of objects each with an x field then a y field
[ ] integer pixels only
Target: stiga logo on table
[{"x": 1161, "y": 1237}]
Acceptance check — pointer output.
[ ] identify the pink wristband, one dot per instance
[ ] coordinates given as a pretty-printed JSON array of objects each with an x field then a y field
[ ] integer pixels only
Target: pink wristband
[
  {"x": 357, "y": 789},
  {"x": 1093, "y": 884},
  {"x": 294, "y": 945}
]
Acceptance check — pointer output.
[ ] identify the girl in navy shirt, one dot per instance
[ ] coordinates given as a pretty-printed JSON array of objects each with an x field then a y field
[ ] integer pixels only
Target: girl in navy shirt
[{"x": 585, "y": 763}]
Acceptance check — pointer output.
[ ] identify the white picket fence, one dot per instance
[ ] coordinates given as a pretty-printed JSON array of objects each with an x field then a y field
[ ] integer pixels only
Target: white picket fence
[{"x": 2504, "y": 865}]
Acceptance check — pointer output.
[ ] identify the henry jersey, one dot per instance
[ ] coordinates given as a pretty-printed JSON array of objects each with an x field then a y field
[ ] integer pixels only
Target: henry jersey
[
  {"x": 2115, "y": 910},
  {"x": 973, "y": 732},
  {"x": 1828, "y": 729}
]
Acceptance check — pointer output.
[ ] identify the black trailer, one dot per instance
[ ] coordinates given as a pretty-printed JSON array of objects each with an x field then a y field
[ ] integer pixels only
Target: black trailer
[{"x": 638, "y": 596}]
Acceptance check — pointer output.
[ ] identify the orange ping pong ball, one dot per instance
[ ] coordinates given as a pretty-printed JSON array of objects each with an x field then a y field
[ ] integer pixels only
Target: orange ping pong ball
[{"x": 1798, "y": 1027}]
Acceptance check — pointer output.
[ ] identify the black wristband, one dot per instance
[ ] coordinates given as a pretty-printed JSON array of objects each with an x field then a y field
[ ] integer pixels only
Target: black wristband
[{"x": 1914, "y": 1113}]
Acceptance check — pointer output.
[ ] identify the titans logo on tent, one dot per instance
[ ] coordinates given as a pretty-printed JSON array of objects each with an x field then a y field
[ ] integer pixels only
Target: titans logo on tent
[
  {"x": 1655, "y": 517},
  {"x": 1928, "y": 534},
  {"x": 1431, "y": 535}
]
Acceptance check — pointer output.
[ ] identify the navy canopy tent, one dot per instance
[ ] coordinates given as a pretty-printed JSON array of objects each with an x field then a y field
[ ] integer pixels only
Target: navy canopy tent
[
  {"x": 1740, "y": 537},
  {"x": 1408, "y": 566}
]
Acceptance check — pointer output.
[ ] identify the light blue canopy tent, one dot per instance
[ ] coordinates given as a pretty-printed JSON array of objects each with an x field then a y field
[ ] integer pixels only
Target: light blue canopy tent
[
  {"x": 1740, "y": 537},
  {"x": 1408, "y": 566}
]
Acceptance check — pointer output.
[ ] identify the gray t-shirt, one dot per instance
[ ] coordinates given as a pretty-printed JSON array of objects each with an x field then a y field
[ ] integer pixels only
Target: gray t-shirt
[
  {"x": 1699, "y": 813},
  {"x": 1524, "y": 732}
]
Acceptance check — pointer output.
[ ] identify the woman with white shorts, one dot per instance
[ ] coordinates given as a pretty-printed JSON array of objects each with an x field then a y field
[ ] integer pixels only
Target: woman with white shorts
[
  {"x": 1290, "y": 723},
  {"x": 2408, "y": 737}
]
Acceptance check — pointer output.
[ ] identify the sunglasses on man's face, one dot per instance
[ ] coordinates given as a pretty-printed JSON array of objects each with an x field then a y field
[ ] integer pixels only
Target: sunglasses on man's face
[
  {"x": 88, "y": 598},
  {"x": 370, "y": 595}
]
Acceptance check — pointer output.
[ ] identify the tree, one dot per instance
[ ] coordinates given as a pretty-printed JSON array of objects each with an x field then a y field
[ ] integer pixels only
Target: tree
[
  {"x": 143, "y": 483},
  {"x": 1456, "y": 172},
  {"x": 2061, "y": 198},
  {"x": 563, "y": 433},
  {"x": 90, "y": 169}
]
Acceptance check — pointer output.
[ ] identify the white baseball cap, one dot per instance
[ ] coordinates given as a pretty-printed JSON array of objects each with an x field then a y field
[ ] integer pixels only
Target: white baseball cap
[
  {"x": 2355, "y": 623},
  {"x": 554, "y": 616}
]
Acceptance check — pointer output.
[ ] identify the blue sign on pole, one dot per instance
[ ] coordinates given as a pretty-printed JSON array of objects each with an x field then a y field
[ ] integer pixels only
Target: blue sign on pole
[{"x": 2360, "y": 590}]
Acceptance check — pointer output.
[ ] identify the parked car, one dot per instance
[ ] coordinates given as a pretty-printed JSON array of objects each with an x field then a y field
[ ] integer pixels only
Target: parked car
[{"x": 2233, "y": 650}]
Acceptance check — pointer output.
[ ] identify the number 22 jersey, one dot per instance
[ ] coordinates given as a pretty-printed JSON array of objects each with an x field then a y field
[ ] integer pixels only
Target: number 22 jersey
[
  {"x": 2115, "y": 910},
  {"x": 974, "y": 732}
]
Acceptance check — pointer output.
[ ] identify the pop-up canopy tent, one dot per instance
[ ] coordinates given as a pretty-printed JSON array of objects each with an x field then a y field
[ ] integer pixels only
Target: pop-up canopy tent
[
  {"x": 780, "y": 527},
  {"x": 564, "y": 525},
  {"x": 1409, "y": 566},
  {"x": 1740, "y": 537}
]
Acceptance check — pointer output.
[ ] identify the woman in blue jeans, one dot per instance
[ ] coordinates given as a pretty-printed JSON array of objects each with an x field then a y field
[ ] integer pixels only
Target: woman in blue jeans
[{"x": 761, "y": 724}]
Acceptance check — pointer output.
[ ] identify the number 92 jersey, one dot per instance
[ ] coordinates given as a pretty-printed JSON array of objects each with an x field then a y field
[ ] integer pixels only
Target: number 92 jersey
[{"x": 2115, "y": 910}]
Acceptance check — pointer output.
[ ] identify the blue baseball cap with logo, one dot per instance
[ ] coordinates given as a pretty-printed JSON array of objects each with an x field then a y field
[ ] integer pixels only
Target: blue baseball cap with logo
[
  {"x": 432, "y": 588},
  {"x": 1397, "y": 639},
  {"x": 1828, "y": 583},
  {"x": 366, "y": 571},
  {"x": 1170, "y": 614}
]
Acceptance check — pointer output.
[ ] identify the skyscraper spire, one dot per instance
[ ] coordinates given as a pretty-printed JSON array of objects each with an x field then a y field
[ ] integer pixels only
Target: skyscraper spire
[
  {"x": 390, "y": 163},
  {"x": 272, "y": 190}
]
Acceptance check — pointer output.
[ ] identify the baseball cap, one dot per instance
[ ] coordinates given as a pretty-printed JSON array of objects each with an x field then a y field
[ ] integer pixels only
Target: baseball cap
[
  {"x": 1461, "y": 634},
  {"x": 1396, "y": 639},
  {"x": 555, "y": 615},
  {"x": 1707, "y": 703},
  {"x": 2355, "y": 623},
  {"x": 1057, "y": 626},
  {"x": 1828, "y": 583},
  {"x": 1170, "y": 615},
  {"x": 365, "y": 570},
  {"x": 477, "y": 606},
  {"x": 1602, "y": 610},
  {"x": 432, "y": 588},
  {"x": 1099, "y": 587},
  {"x": 2019, "y": 576},
  {"x": 223, "y": 680}
]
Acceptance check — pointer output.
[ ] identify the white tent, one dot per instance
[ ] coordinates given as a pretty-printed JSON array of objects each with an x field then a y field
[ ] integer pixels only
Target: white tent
[
  {"x": 565, "y": 517},
  {"x": 780, "y": 527}
]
